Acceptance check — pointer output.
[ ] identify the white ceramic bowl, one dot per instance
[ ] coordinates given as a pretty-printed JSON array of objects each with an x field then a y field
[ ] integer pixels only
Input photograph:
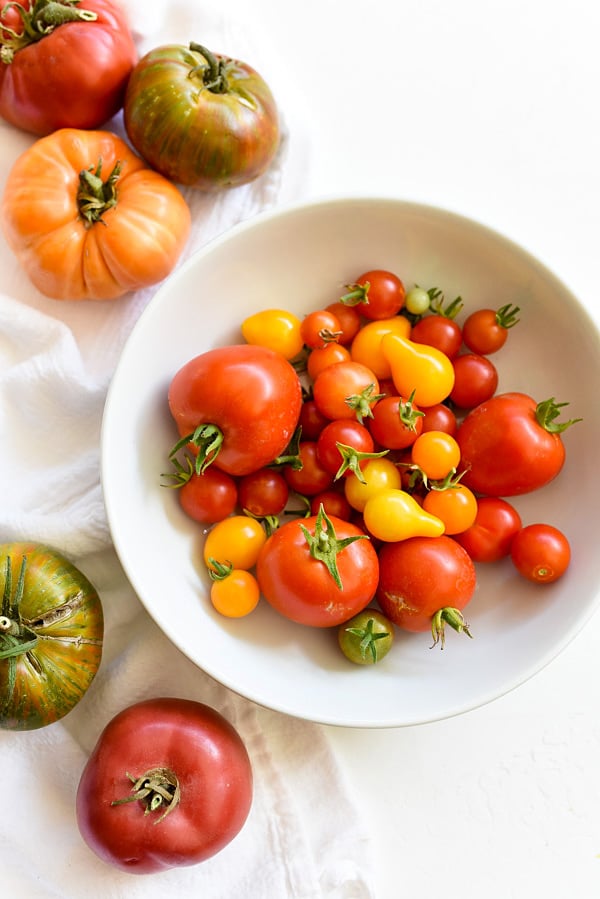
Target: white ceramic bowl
[{"x": 300, "y": 258}]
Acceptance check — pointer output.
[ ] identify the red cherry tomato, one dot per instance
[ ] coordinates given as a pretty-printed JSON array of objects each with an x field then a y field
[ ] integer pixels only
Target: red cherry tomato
[
  {"x": 319, "y": 328},
  {"x": 210, "y": 496},
  {"x": 311, "y": 477},
  {"x": 334, "y": 503},
  {"x": 346, "y": 390},
  {"x": 475, "y": 380},
  {"x": 485, "y": 331},
  {"x": 440, "y": 418},
  {"x": 311, "y": 420},
  {"x": 378, "y": 293},
  {"x": 396, "y": 422},
  {"x": 352, "y": 435},
  {"x": 438, "y": 331},
  {"x": 263, "y": 492},
  {"x": 349, "y": 321},
  {"x": 541, "y": 553},
  {"x": 490, "y": 536},
  {"x": 325, "y": 356}
]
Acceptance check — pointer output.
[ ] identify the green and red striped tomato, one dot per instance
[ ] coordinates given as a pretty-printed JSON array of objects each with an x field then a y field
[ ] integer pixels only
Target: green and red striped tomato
[
  {"x": 51, "y": 632},
  {"x": 199, "y": 118}
]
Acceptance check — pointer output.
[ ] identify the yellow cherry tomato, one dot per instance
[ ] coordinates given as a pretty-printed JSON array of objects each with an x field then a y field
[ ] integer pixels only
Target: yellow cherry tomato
[
  {"x": 436, "y": 453},
  {"x": 455, "y": 505},
  {"x": 392, "y": 515},
  {"x": 366, "y": 346},
  {"x": 276, "y": 329},
  {"x": 235, "y": 594},
  {"x": 235, "y": 541},
  {"x": 418, "y": 367},
  {"x": 378, "y": 474}
]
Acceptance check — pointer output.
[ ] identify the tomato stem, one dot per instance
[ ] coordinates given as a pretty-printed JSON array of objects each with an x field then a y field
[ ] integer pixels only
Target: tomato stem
[
  {"x": 156, "y": 789},
  {"x": 208, "y": 440},
  {"x": 38, "y": 22},
  {"x": 451, "y": 616},
  {"x": 547, "y": 411},
  {"x": 95, "y": 196},
  {"x": 351, "y": 459},
  {"x": 214, "y": 78},
  {"x": 324, "y": 545},
  {"x": 368, "y": 639}
]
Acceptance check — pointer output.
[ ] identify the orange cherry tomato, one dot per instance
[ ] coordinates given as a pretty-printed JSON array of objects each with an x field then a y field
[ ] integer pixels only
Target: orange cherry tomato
[
  {"x": 456, "y": 506},
  {"x": 436, "y": 453}
]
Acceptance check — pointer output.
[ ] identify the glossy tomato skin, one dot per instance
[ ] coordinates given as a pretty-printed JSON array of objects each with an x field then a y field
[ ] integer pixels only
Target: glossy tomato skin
[
  {"x": 541, "y": 553},
  {"x": 60, "y": 648},
  {"x": 208, "y": 758},
  {"x": 301, "y": 588},
  {"x": 136, "y": 244},
  {"x": 250, "y": 392},
  {"x": 421, "y": 575},
  {"x": 504, "y": 450},
  {"x": 491, "y": 534},
  {"x": 74, "y": 77},
  {"x": 192, "y": 134}
]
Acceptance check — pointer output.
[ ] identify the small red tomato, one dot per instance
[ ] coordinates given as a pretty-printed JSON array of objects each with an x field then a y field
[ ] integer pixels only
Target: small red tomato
[
  {"x": 346, "y": 390},
  {"x": 491, "y": 534},
  {"x": 322, "y": 357},
  {"x": 354, "y": 438},
  {"x": 349, "y": 321},
  {"x": 541, "y": 553},
  {"x": 396, "y": 422},
  {"x": 475, "y": 380},
  {"x": 311, "y": 420},
  {"x": 311, "y": 477},
  {"x": 263, "y": 492},
  {"x": 440, "y": 418},
  {"x": 377, "y": 293},
  {"x": 319, "y": 328},
  {"x": 210, "y": 496},
  {"x": 485, "y": 331},
  {"x": 334, "y": 503},
  {"x": 438, "y": 331}
]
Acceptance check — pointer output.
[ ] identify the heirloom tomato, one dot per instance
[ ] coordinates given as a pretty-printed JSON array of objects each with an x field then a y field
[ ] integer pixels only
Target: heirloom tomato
[
  {"x": 512, "y": 445},
  {"x": 199, "y": 118},
  {"x": 168, "y": 784},
  {"x": 51, "y": 632},
  {"x": 318, "y": 571},
  {"x": 63, "y": 64},
  {"x": 425, "y": 583},
  {"x": 540, "y": 552},
  {"x": 236, "y": 406},
  {"x": 88, "y": 220}
]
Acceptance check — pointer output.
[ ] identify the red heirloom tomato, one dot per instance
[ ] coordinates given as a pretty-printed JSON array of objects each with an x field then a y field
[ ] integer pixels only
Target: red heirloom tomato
[
  {"x": 424, "y": 583},
  {"x": 318, "y": 571},
  {"x": 88, "y": 220},
  {"x": 51, "y": 632},
  {"x": 169, "y": 783},
  {"x": 237, "y": 406},
  {"x": 64, "y": 64},
  {"x": 490, "y": 536},
  {"x": 511, "y": 445},
  {"x": 199, "y": 118}
]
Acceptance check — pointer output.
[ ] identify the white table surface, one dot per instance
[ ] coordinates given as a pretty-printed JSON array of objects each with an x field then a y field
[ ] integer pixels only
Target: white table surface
[{"x": 490, "y": 109}]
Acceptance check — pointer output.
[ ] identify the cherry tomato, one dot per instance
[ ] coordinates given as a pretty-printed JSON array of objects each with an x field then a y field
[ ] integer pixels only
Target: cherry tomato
[
  {"x": 440, "y": 418},
  {"x": 455, "y": 505},
  {"x": 349, "y": 321},
  {"x": 511, "y": 445},
  {"x": 334, "y": 503},
  {"x": 490, "y": 536},
  {"x": 235, "y": 541},
  {"x": 323, "y": 357},
  {"x": 380, "y": 294},
  {"x": 396, "y": 422},
  {"x": 366, "y": 347},
  {"x": 438, "y": 331},
  {"x": 475, "y": 380},
  {"x": 424, "y": 583},
  {"x": 318, "y": 571},
  {"x": 277, "y": 329},
  {"x": 354, "y": 438},
  {"x": 234, "y": 593},
  {"x": 417, "y": 300},
  {"x": 378, "y": 474},
  {"x": 485, "y": 331},
  {"x": 263, "y": 492},
  {"x": 541, "y": 553},
  {"x": 392, "y": 515},
  {"x": 367, "y": 638},
  {"x": 418, "y": 368},
  {"x": 208, "y": 497},
  {"x": 312, "y": 476},
  {"x": 311, "y": 420},
  {"x": 436, "y": 453},
  {"x": 169, "y": 783},
  {"x": 346, "y": 390},
  {"x": 319, "y": 328}
]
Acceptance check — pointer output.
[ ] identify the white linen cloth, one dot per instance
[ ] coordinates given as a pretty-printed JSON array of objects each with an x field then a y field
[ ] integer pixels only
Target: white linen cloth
[{"x": 304, "y": 837}]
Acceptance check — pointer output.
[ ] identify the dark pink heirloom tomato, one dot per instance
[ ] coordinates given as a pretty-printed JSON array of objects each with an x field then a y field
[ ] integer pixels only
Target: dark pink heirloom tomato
[
  {"x": 199, "y": 118},
  {"x": 63, "y": 64},
  {"x": 168, "y": 784}
]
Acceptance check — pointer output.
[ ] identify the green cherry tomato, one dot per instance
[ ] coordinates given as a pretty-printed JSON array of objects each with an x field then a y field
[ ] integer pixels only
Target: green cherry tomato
[{"x": 366, "y": 638}]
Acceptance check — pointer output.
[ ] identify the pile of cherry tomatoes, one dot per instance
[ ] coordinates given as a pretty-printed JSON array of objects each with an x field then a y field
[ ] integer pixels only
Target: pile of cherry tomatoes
[{"x": 353, "y": 465}]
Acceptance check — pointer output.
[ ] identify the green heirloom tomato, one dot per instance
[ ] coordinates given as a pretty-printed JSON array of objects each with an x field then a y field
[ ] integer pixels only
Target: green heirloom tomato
[
  {"x": 201, "y": 119},
  {"x": 51, "y": 631}
]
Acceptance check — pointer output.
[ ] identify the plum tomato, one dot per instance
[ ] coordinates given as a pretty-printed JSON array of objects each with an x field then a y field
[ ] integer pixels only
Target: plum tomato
[
  {"x": 378, "y": 294},
  {"x": 425, "y": 583},
  {"x": 318, "y": 571},
  {"x": 485, "y": 331},
  {"x": 490, "y": 536},
  {"x": 346, "y": 390},
  {"x": 169, "y": 783},
  {"x": 475, "y": 380},
  {"x": 263, "y": 492},
  {"x": 540, "y": 552},
  {"x": 396, "y": 422},
  {"x": 366, "y": 638},
  {"x": 512, "y": 445}
]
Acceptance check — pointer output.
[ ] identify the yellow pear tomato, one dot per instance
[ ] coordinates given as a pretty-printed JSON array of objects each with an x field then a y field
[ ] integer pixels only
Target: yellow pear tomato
[{"x": 392, "y": 515}]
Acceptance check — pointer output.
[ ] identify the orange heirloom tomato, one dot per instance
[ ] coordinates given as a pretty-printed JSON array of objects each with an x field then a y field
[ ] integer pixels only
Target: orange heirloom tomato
[{"x": 88, "y": 220}]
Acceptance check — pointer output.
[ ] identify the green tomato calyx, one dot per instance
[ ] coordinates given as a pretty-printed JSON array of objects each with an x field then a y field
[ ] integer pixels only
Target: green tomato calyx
[
  {"x": 214, "y": 75},
  {"x": 15, "y": 637},
  {"x": 158, "y": 790},
  {"x": 208, "y": 440},
  {"x": 351, "y": 459},
  {"x": 546, "y": 414},
  {"x": 454, "y": 618},
  {"x": 362, "y": 403},
  {"x": 38, "y": 22},
  {"x": 324, "y": 545},
  {"x": 95, "y": 196},
  {"x": 368, "y": 640},
  {"x": 506, "y": 316}
]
